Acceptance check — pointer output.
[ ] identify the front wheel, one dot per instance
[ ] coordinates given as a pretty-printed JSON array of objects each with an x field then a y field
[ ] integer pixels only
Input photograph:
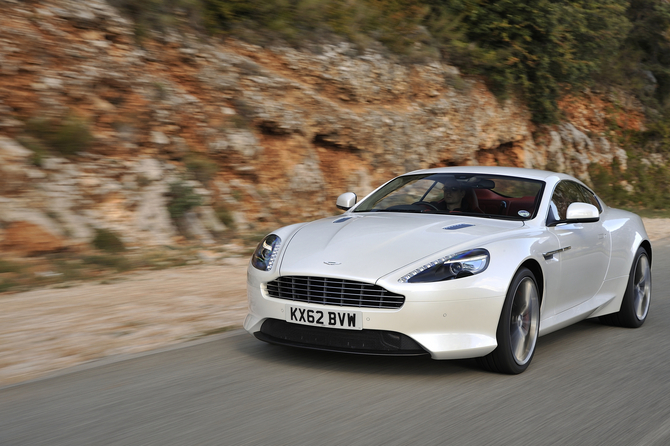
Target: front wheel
[
  {"x": 518, "y": 327},
  {"x": 637, "y": 298}
]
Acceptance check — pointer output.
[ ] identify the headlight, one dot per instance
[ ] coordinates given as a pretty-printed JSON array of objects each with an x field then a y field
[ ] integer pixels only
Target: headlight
[
  {"x": 266, "y": 252},
  {"x": 462, "y": 264}
]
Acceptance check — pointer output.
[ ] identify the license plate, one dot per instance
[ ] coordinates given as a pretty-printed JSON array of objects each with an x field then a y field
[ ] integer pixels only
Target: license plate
[{"x": 349, "y": 320}]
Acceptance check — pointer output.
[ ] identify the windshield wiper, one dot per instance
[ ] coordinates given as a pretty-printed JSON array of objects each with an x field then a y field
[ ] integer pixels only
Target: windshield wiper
[{"x": 406, "y": 211}]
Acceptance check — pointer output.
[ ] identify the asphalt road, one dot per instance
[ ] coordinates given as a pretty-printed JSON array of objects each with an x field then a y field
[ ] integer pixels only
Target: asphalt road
[{"x": 588, "y": 384}]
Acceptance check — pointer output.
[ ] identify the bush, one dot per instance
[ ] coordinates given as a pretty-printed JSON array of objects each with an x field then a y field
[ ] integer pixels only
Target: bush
[
  {"x": 9, "y": 267},
  {"x": 224, "y": 214},
  {"x": 542, "y": 46},
  {"x": 66, "y": 136},
  {"x": 182, "y": 199},
  {"x": 7, "y": 285},
  {"x": 38, "y": 149},
  {"x": 397, "y": 24},
  {"x": 108, "y": 241},
  {"x": 202, "y": 167},
  {"x": 651, "y": 182},
  {"x": 605, "y": 182},
  {"x": 535, "y": 48},
  {"x": 159, "y": 14},
  {"x": 116, "y": 262}
]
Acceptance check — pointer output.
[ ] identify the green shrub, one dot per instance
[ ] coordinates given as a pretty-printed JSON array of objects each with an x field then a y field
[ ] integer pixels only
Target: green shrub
[
  {"x": 540, "y": 47},
  {"x": 606, "y": 184},
  {"x": 116, "y": 262},
  {"x": 534, "y": 49},
  {"x": 9, "y": 267},
  {"x": 161, "y": 90},
  {"x": 657, "y": 136},
  {"x": 202, "y": 167},
  {"x": 6, "y": 285},
  {"x": 397, "y": 24},
  {"x": 224, "y": 214},
  {"x": 244, "y": 110},
  {"x": 652, "y": 184},
  {"x": 143, "y": 181},
  {"x": 160, "y": 14},
  {"x": 66, "y": 136},
  {"x": 182, "y": 199},
  {"x": 238, "y": 122},
  {"x": 107, "y": 241},
  {"x": 38, "y": 149}
]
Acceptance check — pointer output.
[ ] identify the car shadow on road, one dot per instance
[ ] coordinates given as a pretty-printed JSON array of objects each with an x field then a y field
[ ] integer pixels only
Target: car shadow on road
[
  {"x": 571, "y": 340},
  {"x": 586, "y": 332},
  {"x": 578, "y": 330},
  {"x": 351, "y": 363}
]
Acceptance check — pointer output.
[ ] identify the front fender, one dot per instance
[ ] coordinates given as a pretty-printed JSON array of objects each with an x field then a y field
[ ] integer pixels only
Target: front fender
[{"x": 507, "y": 256}]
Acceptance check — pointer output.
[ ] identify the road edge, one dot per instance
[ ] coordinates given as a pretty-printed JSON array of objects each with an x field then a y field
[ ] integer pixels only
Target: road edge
[{"x": 113, "y": 359}]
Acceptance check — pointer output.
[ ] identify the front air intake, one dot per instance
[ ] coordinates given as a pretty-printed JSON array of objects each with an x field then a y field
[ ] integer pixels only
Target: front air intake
[{"x": 337, "y": 292}]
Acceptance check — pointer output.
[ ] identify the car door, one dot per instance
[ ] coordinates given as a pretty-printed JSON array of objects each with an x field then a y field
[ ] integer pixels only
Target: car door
[{"x": 584, "y": 247}]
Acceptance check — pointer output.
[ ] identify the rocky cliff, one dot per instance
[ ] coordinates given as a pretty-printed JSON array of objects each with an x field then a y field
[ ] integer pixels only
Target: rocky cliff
[{"x": 183, "y": 137}]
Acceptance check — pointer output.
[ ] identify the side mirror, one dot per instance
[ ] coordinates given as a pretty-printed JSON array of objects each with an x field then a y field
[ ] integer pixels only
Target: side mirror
[
  {"x": 582, "y": 213},
  {"x": 346, "y": 201}
]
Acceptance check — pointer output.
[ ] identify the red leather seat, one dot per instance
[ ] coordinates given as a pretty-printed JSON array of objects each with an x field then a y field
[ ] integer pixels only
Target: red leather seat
[{"x": 470, "y": 202}]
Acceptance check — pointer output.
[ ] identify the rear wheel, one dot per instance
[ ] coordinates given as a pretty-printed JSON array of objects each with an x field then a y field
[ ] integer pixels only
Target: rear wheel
[
  {"x": 518, "y": 327},
  {"x": 637, "y": 298}
]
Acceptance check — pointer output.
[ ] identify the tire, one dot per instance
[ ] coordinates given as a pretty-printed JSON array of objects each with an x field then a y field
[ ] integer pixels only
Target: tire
[
  {"x": 518, "y": 327},
  {"x": 637, "y": 298}
]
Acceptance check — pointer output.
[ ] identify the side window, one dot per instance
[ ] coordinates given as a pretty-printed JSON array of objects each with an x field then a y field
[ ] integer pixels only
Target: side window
[
  {"x": 566, "y": 193},
  {"x": 590, "y": 197}
]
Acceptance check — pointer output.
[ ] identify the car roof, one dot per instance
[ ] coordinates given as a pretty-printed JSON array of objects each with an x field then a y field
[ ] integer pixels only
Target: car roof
[{"x": 534, "y": 174}]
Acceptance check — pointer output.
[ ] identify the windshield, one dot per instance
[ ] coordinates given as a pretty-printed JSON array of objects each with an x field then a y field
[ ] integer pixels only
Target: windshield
[{"x": 491, "y": 196}]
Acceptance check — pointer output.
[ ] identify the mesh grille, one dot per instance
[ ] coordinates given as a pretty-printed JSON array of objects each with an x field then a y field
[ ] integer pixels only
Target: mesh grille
[
  {"x": 374, "y": 342},
  {"x": 329, "y": 291}
]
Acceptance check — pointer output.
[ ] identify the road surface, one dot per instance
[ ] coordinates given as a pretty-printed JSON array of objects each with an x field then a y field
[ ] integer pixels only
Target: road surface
[{"x": 589, "y": 384}]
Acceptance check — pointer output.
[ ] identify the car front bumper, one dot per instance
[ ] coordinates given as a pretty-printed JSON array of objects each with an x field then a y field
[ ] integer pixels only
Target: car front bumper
[{"x": 448, "y": 320}]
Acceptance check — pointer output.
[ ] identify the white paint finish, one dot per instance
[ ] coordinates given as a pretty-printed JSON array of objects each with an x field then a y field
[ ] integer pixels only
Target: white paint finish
[
  {"x": 585, "y": 277},
  {"x": 369, "y": 246}
]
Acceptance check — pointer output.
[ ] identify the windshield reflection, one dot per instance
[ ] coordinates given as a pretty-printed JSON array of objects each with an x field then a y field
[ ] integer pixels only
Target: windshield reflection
[{"x": 487, "y": 196}]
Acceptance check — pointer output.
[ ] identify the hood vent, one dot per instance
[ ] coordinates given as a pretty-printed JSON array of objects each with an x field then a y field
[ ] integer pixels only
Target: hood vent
[
  {"x": 343, "y": 219},
  {"x": 457, "y": 226}
]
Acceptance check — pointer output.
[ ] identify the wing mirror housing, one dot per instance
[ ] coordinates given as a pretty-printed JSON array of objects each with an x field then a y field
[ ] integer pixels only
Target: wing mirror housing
[
  {"x": 582, "y": 213},
  {"x": 346, "y": 201}
]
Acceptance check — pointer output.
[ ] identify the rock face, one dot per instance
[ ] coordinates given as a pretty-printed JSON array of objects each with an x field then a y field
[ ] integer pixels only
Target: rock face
[{"x": 264, "y": 135}]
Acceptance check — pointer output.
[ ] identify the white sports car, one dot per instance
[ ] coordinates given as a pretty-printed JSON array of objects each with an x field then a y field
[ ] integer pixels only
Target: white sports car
[{"x": 458, "y": 262}]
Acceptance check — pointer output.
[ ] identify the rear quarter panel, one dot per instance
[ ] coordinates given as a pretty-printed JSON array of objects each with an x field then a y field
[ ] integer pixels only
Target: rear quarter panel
[{"x": 627, "y": 233}]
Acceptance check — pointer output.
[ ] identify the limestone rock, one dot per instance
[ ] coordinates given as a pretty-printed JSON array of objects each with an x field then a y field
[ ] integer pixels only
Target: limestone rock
[
  {"x": 159, "y": 138},
  {"x": 24, "y": 237},
  {"x": 29, "y": 231},
  {"x": 278, "y": 132},
  {"x": 11, "y": 150},
  {"x": 194, "y": 228},
  {"x": 152, "y": 219}
]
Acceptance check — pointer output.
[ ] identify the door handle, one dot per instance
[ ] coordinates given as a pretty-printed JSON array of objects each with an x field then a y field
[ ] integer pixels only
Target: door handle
[{"x": 550, "y": 254}]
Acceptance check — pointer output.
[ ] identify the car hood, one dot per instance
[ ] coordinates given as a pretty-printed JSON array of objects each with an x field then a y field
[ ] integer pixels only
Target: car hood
[{"x": 367, "y": 247}]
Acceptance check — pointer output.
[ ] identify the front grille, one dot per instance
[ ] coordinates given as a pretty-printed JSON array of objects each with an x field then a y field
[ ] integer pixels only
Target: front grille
[
  {"x": 369, "y": 342},
  {"x": 329, "y": 291}
]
